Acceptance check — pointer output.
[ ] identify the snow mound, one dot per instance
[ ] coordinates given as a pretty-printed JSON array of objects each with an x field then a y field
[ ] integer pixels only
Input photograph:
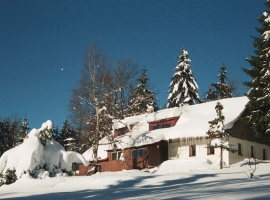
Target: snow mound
[
  {"x": 183, "y": 165},
  {"x": 32, "y": 156}
]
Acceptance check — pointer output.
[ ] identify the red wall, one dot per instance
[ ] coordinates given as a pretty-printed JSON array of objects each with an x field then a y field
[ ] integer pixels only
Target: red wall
[
  {"x": 172, "y": 121},
  {"x": 155, "y": 155}
]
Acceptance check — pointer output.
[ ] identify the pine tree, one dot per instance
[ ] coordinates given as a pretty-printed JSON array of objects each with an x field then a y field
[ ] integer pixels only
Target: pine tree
[
  {"x": 216, "y": 131},
  {"x": 259, "y": 93},
  {"x": 23, "y": 131},
  {"x": 211, "y": 95},
  {"x": 68, "y": 137},
  {"x": 219, "y": 90},
  {"x": 56, "y": 134},
  {"x": 9, "y": 129},
  {"x": 183, "y": 88},
  {"x": 222, "y": 87},
  {"x": 141, "y": 98}
]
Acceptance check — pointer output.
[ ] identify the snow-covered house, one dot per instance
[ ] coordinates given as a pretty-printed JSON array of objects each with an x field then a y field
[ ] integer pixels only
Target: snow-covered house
[{"x": 147, "y": 140}]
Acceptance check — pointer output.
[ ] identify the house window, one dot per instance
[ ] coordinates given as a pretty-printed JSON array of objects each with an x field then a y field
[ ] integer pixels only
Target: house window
[
  {"x": 156, "y": 127},
  {"x": 137, "y": 153},
  {"x": 141, "y": 152},
  {"x": 166, "y": 125},
  {"x": 116, "y": 155},
  {"x": 210, "y": 150},
  {"x": 134, "y": 153},
  {"x": 264, "y": 154},
  {"x": 192, "y": 150},
  {"x": 252, "y": 152},
  {"x": 121, "y": 131},
  {"x": 239, "y": 149}
]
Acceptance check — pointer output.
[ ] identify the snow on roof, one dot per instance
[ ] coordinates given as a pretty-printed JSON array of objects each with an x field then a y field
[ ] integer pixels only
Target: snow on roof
[
  {"x": 164, "y": 114},
  {"x": 193, "y": 122},
  {"x": 128, "y": 121}
]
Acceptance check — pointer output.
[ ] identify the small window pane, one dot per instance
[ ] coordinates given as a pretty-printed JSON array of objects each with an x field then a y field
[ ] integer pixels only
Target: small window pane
[
  {"x": 118, "y": 155},
  {"x": 239, "y": 149},
  {"x": 192, "y": 150},
  {"x": 141, "y": 152},
  {"x": 113, "y": 155},
  {"x": 166, "y": 125},
  {"x": 121, "y": 132},
  {"x": 156, "y": 127},
  {"x": 134, "y": 153},
  {"x": 211, "y": 150},
  {"x": 252, "y": 152},
  {"x": 264, "y": 154}
]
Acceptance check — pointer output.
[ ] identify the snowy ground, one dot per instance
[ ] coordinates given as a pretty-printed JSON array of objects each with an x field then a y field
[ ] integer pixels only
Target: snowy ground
[{"x": 172, "y": 180}]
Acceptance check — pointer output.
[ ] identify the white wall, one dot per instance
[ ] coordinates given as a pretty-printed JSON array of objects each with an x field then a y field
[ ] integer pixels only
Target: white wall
[
  {"x": 178, "y": 150},
  {"x": 246, "y": 150}
]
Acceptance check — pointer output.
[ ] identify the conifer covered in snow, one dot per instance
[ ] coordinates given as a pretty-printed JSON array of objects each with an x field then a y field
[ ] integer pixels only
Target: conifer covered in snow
[
  {"x": 24, "y": 129},
  {"x": 220, "y": 90},
  {"x": 183, "y": 88},
  {"x": 141, "y": 98},
  {"x": 68, "y": 137},
  {"x": 217, "y": 134},
  {"x": 259, "y": 93},
  {"x": 211, "y": 94}
]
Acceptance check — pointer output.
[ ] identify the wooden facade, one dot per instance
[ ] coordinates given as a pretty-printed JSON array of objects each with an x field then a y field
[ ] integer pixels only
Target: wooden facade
[
  {"x": 241, "y": 130},
  {"x": 154, "y": 155}
]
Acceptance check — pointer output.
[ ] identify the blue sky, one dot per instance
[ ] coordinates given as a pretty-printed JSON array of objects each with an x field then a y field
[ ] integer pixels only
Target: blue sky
[{"x": 42, "y": 45}]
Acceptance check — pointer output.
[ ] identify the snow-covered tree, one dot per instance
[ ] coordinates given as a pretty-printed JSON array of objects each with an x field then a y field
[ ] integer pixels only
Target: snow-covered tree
[
  {"x": 68, "y": 137},
  {"x": 183, "y": 88},
  {"x": 9, "y": 129},
  {"x": 211, "y": 94},
  {"x": 220, "y": 90},
  {"x": 45, "y": 134},
  {"x": 100, "y": 97},
  {"x": 141, "y": 98},
  {"x": 222, "y": 87},
  {"x": 218, "y": 136},
  {"x": 24, "y": 128},
  {"x": 259, "y": 93}
]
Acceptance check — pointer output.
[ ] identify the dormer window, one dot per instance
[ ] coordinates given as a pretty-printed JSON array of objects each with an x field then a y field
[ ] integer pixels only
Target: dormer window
[
  {"x": 164, "y": 123},
  {"x": 121, "y": 131}
]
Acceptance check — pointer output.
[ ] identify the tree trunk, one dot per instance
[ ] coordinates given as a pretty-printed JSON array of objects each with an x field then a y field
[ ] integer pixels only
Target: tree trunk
[{"x": 221, "y": 157}]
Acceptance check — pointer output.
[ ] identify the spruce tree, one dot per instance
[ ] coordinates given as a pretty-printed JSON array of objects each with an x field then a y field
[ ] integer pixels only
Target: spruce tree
[
  {"x": 68, "y": 137},
  {"x": 211, "y": 95},
  {"x": 219, "y": 90},
  {"x": 216, "y": 131},
  {"x": 141, "y": 98},
  {"x": 23, "y": 131},
  {"x": 183, "y": 88},
  {"x": 222, "y": 87},
  {"x": 259, "y": 93}
]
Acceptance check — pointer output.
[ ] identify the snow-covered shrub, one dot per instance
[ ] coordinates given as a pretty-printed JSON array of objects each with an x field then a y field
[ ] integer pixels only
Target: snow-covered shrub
[
  {"x": 9, "y": 177},
  {"x": 45, "y": 136},
  {"x": 40, "y": 156}
]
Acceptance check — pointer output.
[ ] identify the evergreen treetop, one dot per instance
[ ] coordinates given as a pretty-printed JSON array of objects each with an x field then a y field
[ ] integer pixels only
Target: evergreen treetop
[
  {"x": 141, "y": 98},
  {"x": 220, "y": 90},
  {"x": 183, "y": 88}
]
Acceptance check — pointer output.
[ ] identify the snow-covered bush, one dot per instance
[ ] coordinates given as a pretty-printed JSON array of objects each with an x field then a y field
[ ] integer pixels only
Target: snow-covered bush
[
  {"x": 39, "y": 159},
  {"x": 9, "y": 177}
]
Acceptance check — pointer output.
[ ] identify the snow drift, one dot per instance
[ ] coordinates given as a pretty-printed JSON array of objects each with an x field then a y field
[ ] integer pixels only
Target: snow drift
[{"x": 33, "y": 157}]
